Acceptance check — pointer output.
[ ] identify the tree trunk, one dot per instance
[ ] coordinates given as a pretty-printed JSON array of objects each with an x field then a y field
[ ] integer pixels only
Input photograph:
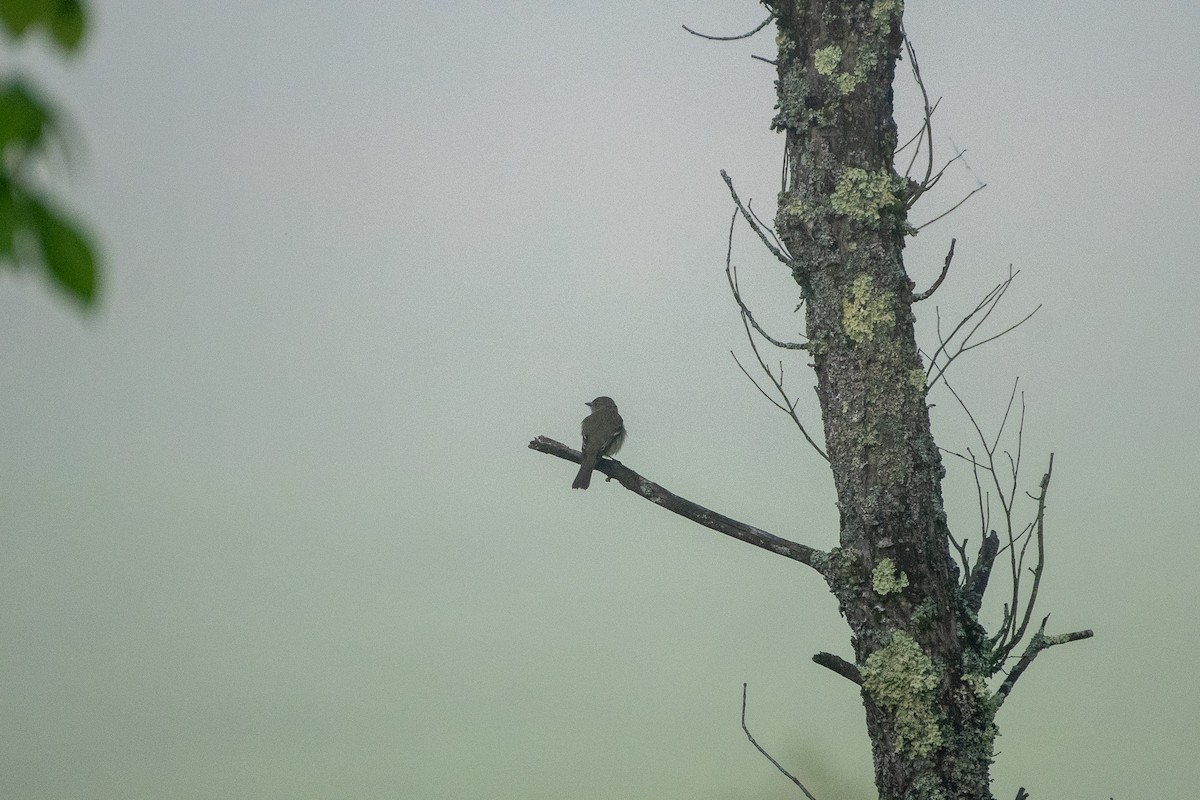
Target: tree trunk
[{"x": 842, "y": 215}]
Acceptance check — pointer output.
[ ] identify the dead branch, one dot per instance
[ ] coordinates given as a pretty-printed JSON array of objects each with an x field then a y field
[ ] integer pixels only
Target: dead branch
[
  {"x": 778, "y": 252},
  {"x": 919, "y": 135},
  {"x": 787, "y": 406},
  {"x": 839, "y": 665},
  {"x": 1039, "y": 526},
  {"x": 731, "y": 277},
  {"x": 1037, "y": 643},
  {"x": 686, "y": 508},
  {"x": 764, "y": 226},
  {"x": 983, "y": 310},
  {"x": 767, "y": 755},
  {"x": 938, "y": 176},
  {"x": 926, "y": 127},
  {"x": 1018, "y": 611},
  {"x": 761, "y": 25},
  {"x": 925, "y": 295},
  {"x": 925, "y": 134},
  {"x": 977, "y": 578},
  {"x": 952, "y": 208}
]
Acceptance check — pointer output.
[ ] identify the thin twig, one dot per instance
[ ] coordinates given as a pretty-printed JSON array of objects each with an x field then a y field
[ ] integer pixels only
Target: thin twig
[
  {"x": 1009, "y": 329},
  {"x": 983, "y": 310},
  {"x": 925, "y": 295},
  {"x": 787, "y": 406},
  {"x": 733, "y": 286},
  {"x": 777, "y": 252},
  {"x": 762, "y": 25},
  {"x": 764, "y": 226},
  {"x": 918, "y": 135},
  {"x": 938, "y": 176},
  {"x": 927, "y": 126},
  {"x": 1037, "y": 643},
  {"x": 767, "y": 755},
  {"x": 1031, "y": 602},
  {"x": 952, "y": 208},
  {"x": 731, "y": 277},
  {"x": 1018, "y": 611}
]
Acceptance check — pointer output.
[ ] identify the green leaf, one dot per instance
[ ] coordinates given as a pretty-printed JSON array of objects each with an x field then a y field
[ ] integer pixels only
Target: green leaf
[
  {"x": 68, "y": 25},
  {"x": 23, "y": 118},
  {"x": 8, "y": 221},
  {"x": 64, "y": 20},
  {"x": 66, "y": 253},
  {"x": 18, "y": 15}
]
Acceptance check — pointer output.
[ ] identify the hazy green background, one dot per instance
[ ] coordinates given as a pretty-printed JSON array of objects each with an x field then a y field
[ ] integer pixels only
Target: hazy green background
[{"x": 269, "y": 527}]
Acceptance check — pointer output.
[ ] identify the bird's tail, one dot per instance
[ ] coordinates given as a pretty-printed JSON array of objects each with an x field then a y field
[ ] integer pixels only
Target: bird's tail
[{"x": 584, "y": 477}]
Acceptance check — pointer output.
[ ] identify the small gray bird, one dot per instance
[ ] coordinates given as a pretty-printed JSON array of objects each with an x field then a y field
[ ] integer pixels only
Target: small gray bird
[{"x": 603, "y": 434}]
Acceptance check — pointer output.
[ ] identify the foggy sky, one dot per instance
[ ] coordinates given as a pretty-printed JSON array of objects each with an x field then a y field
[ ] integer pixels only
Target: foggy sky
[{"x": 270, "y": 528}]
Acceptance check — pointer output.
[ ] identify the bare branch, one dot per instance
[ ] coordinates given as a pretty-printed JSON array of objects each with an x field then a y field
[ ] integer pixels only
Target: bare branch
[
  {"x": 945, "y": 268},
  {"x": 925, "y": 134},
  {"x": 731, "y": 277},
  {"x": 1037, "y": 643},
  {"x": 952, "y": 208},
  {"x": 920, "y": 134},
  {"x": 1009, "y": 329},
  {"x": 839, "y": 665},
  {"x": 1031, "y": 602},
  {"x": 764, "y": 226},
  {"x": 934, "y": 180},
  {"x": 686, "y": 508},
  {"x": 977, "y": 579},
  {"x": 767, "y": 755},
  {"x": 961, "y": 548},
  {"x": 1018, "y": 611},
  {"x": 926, "y": 128},
  {"x": 1022, "y": 794},
  {"x": 776, "y": 251},
  {"x": 980, "y": 314},
  {"x": 761, "y": 25},
  {"x": 787, "y": 406}
]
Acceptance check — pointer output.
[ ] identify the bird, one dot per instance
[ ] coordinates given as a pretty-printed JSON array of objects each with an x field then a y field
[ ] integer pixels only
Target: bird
[{"x": 603, "y": 435}]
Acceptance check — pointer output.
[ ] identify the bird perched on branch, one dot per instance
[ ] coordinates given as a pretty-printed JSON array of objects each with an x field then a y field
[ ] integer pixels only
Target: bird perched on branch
[{"x": 603, "y": 434}]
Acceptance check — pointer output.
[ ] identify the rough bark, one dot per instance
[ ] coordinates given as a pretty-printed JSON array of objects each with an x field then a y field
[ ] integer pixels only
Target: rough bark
[{"x": 842, "y": 215}]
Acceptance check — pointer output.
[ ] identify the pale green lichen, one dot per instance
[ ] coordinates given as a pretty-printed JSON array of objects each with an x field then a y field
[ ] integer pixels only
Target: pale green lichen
[
  {"x": 847, "y": 82},
  {"x": 828, "y": 59},
  {"x": 865, "y": 310},
  {"x": 902, "y": 680},
  {"x": 793, "y": 206},
  {"x": 886, "y": 580},
  {"x": 979, "y": 686},
  {"x": 916, "y": 376},
  {"x": 860, "y": 194},
  {"x": 882, "y": 11},
  {"x": 828, "y": 62}
]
